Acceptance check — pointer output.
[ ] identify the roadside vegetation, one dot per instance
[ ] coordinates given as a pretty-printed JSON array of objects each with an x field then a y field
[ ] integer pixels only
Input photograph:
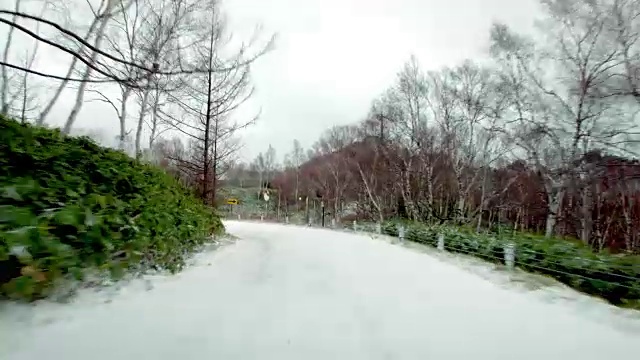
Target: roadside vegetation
[
  {"x": 168, "y": 76},
  {"x": 68, "y": 205}
]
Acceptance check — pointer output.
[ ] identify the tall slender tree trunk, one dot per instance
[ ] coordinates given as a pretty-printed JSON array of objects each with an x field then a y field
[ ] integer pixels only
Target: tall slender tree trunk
[
  {"x": 87, "y": 73},
  {"x": 374, "y": 202},
  {"x": 554, "y": 204},
  {"x": 214, "y": 174},
  {"x": 297, "y": 187},
  {"x": 207, "y": 124},
  {"x": 74, "y": 61},
  {"x": 4, "y": 91},
  {"x": 143, "y": 110},
  {"x": 406, "y": 193},
  {"x": 430, "y": 203},
  {"x": 586, "y": 218},
  {"x": 482, "y": 196},
  {"x": 123, "y": 118},
  {"x": 154, "y": 118}
]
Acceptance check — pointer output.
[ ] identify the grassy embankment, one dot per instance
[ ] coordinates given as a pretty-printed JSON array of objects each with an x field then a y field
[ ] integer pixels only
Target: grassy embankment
[{"x": 69, "y": 206}]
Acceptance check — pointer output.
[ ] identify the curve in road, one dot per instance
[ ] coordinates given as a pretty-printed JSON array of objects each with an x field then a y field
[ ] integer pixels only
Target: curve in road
[{"x": 283, "y": 292}]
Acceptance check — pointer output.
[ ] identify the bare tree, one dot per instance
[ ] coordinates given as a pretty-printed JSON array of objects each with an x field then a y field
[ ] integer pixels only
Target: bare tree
[
  {"x": 296, "y": 159},
  {"x": 24, "y": 89},
  {"x": 470, "y": 87},
  {"x": 331, "y": 145},
  {"x": 563, "y": 79},
  {"x": 159, "y": 40},
  {"x": 534, "y": 140},
  {"x": 439, "y": 139},
  {"x": 148, "y": 69},
  {"x": 269, "y": 163},
  {"x": 205, "y": 105},
  {"x": 104, "y": 13},
  {"x": 368, "y": 161},
  {"x": 409, "y": 97},
  {"x": 258, "y": 165},
  {"x": 402, "y": 116},
  {"x": 128, "y": 26},
  {"x": 14, "y": 88},
  {"x": 4, "y": 71}
]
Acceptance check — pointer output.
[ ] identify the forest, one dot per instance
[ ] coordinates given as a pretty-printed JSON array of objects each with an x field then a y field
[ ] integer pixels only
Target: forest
[
  {"x": 71, "y": 209},
  {"x": 540, "y": 136}
]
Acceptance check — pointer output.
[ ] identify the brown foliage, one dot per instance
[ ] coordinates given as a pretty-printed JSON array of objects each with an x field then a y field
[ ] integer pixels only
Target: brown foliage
[{"x": 514, "y": 194}]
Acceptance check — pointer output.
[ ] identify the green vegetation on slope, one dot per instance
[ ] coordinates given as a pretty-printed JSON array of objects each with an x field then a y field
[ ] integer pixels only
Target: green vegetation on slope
[
  {"x": 67, "y": 204},
  {"x": 615, "y": 278}
]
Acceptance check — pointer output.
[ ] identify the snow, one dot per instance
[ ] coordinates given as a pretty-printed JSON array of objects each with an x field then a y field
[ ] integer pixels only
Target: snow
[{"x": 285, "y": 292}]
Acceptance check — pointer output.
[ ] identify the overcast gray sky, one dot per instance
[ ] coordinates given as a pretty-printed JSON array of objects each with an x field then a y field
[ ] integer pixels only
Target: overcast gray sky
[{"x": 333, "y": 57}]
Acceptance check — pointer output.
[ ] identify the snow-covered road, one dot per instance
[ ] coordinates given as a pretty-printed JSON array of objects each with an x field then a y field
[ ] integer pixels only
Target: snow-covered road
[{"x": 284, "y": 292}]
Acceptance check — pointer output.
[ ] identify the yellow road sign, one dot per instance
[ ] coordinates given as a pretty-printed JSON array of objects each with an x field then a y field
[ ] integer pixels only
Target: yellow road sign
[{"x": 232, "y": 201}]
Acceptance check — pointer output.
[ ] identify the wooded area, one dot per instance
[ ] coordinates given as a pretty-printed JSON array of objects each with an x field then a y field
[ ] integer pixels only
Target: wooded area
[
  {"x": 542, "y": 137},
  {"x": 168, "y": 71}
]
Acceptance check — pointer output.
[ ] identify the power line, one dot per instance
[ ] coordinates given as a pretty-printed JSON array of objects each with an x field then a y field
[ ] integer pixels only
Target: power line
[
  {"x": 67, "y": 32},
  {"x": 34, "y": 72},
  {"x": 73, "y": 53},
  {"x": 234, "y": 63}
]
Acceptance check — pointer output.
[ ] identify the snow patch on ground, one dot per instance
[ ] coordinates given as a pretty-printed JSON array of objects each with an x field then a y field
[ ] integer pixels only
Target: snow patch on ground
[{"x": 285, "y": 292}]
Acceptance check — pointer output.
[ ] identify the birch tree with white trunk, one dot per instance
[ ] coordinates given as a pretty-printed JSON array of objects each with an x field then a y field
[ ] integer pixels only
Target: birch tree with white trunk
[
  {"x": 102, "y": 14},
  {"x": 560, "y": 83}
]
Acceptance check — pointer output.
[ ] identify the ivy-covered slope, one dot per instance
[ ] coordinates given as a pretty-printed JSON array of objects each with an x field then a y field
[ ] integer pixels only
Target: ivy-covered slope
[{"x": 67, "y": 204}]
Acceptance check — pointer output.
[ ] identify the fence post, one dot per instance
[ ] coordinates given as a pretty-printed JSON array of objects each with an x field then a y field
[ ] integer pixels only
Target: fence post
[
  {"x": 379, "y": 228},
  {"x": 354, "y": 225},
  {"x": 441, "y": 242},
  {"x": 510, "y": 255},
  {"x": 238, "y": 216},
  {"x": 333, "y": 223},
  {"x": 261, "y": 217},
  {"x": 401, "y": 233},
  {"x": 286, "y": 219}
]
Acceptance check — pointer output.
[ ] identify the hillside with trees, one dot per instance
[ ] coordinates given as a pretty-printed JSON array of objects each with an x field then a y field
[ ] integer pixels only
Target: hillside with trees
[
  {"x": 167, "y": 72},
  {"x": 541, "y": 137},
  {"x": 170, "y": 78}
]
